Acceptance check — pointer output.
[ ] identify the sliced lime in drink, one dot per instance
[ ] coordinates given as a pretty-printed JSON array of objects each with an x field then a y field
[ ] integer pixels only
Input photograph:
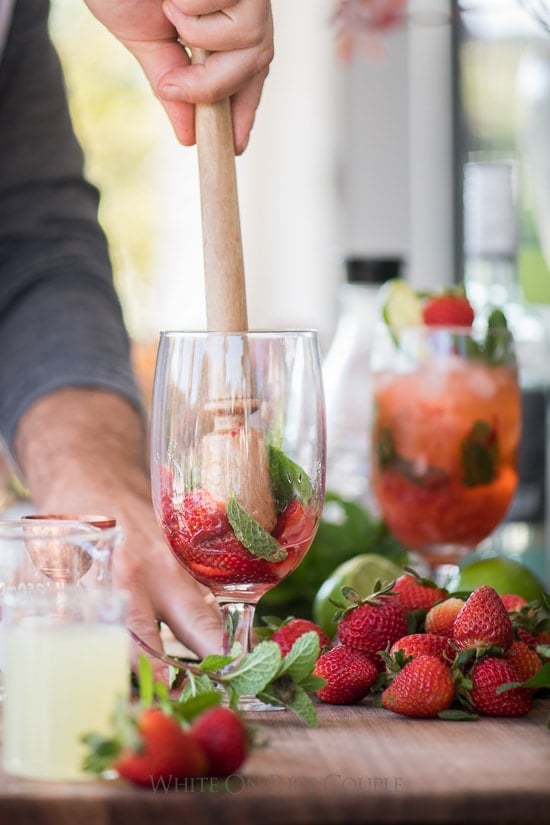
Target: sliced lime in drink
[
  {"x": 401, "y": 306},
  {"x": 360, "y": 572}
]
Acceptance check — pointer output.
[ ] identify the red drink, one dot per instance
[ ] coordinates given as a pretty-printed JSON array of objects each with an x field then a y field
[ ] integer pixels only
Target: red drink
[{"x": 445, "y": 441}]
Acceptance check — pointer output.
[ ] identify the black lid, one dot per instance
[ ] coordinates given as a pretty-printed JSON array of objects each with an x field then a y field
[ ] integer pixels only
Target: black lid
[{"x": 372, "y": 270}]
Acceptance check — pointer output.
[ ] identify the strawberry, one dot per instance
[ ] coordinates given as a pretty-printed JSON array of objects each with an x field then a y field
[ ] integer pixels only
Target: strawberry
[
  {"x": 295, "y": 524},
  {"x": 448, "y": 310},
  {"x": 512, "y": 602},
  {"x": 287, "y": 633},
  {"x": 222, "y": 735},
  {"x": 199, "y": 518},
  {"x": 416, "y": 593},
  {"x": 148, "y": 745},
  {"x": 483, "y": 621},
  {"x": 370, "y": 624},
  {"x": 423, "y": 688},
  {"x": 349, "y": 674},
  {"x": 525, "y": 660},
  {"x": 202, "y": 539},
  {"x": 441, "y": 617},
  {"x": 486, "y": 676},
  {"x": 424, "y": 644}
]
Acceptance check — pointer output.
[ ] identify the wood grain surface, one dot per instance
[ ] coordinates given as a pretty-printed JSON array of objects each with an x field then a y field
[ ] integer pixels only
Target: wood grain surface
[{"x": 361, "y": 765}]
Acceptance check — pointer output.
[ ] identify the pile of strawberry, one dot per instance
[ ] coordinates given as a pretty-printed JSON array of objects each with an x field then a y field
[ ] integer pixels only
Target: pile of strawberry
[{"x": 423, "y": 652}]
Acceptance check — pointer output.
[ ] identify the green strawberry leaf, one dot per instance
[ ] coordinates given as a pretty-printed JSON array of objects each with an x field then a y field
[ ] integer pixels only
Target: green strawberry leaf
[
  {"x": 288, "y": 479},
  {"x": 300, "y": 659},
  {"x": 252, "y": 535},
  {"x": 457, "y": 715},
  {"x": 541, "y": 679}
]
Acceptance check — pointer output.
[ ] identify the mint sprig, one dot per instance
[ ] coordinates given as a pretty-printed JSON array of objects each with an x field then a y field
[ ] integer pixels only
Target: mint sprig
[
  {"x": 283, "y": 681},
  {"x": 252, "y": 535}
]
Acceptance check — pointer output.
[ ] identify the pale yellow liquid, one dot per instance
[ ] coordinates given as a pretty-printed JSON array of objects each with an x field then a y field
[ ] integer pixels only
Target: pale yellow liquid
[{"x": 60, "y": 682}]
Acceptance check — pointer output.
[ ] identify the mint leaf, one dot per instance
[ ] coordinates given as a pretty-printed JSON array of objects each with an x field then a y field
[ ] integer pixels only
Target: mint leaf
[
  {"x": 288, "y": 479},
  {"x": 252, "y": 535},
  {"x": 293, "y": 697},
  {"x": 300, "y": 659},
  {"x": 216, "y": 661},
  {"x": 255, "y": 670},
  {"x": 196, "y": 686},
  {"x": 188, "y": 709},
  {"x": 303, "y": 707},
  {"x": 497, "y": 339},
  {"x": 386, "y": 453},
  {"x": 479, "y": 453},
  {"x": 313, "y": 683}
]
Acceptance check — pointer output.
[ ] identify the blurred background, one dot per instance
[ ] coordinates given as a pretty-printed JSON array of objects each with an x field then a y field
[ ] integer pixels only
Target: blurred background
[
  {"x": 355, "y": 152},
  {"x": 359, "y": 151}
]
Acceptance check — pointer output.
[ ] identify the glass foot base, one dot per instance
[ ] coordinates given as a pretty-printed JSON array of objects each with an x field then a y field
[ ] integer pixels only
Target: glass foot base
[{"x": 253, "y": 704}]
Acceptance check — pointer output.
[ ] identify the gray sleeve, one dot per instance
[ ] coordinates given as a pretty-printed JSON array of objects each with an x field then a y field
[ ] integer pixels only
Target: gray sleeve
[{"x": 60, "y": 318}]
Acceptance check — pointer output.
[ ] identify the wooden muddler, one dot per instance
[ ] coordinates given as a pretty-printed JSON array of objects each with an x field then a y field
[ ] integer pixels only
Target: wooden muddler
[{"x": 234, "y": 455}]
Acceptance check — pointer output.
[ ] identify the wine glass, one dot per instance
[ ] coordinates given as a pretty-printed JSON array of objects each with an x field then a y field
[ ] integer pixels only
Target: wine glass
[
  {"x": 238, "y": 460},
  {"x": 445, "y": 437}
]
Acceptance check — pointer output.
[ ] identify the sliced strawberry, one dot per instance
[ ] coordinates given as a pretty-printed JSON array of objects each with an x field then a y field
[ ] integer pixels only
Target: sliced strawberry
[{"x": 203, "y": 541}]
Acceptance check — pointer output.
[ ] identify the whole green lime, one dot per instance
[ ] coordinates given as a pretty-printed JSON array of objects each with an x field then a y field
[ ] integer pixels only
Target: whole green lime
[
  {"x": 504, "y": 574},
  {"x": 360, "y": 572}
]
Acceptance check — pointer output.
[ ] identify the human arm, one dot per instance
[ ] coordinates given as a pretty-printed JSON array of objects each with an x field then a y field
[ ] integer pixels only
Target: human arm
[
  {"x": 70, "y": 410},
  {"x": 239, "y": 33},
  {"x": 83, "y": 450}
]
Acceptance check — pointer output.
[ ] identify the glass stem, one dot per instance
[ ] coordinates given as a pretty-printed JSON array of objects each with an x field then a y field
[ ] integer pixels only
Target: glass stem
[{"x": 237, "y": 620}]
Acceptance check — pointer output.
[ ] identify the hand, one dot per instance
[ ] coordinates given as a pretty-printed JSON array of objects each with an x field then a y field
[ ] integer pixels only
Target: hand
[
  {"x": 82, "y": 451},
  {"x": 239, "y": 33}
]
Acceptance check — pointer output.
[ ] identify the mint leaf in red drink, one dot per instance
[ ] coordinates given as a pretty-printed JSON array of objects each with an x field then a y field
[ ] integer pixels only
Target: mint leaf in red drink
[
  {"x": 288, "y": 480},
  {"x": 479, "y": 451},
  {"x": 252, "y": 535}
]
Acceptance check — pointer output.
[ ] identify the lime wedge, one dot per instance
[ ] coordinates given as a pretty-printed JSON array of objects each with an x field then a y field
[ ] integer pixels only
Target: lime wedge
[
  {"x": 360, "y": 572},
  {"x": 401, "y": 306}
]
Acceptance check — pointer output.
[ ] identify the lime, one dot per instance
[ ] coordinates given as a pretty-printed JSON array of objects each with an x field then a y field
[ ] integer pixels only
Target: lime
[
  {"x": 504, "y": 574},
  {"x": 360, "y": 572},
  {"x": 401, "y": 305}
]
